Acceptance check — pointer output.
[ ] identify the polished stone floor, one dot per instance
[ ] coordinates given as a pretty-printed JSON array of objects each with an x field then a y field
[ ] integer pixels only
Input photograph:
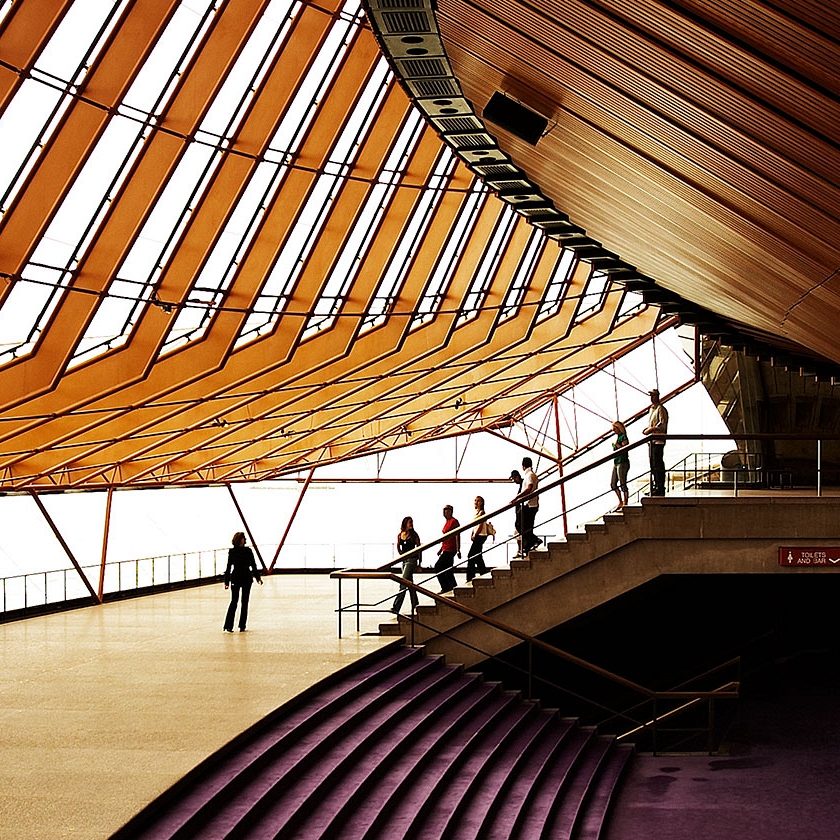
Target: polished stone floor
[{"x": 103, "y": 708}]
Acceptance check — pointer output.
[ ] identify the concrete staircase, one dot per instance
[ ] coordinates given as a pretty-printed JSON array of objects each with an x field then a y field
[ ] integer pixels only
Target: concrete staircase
[{"x": 661, "y": 536}]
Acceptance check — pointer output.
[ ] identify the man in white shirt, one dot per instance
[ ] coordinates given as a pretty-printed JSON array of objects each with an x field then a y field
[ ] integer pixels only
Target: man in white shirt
[
  {"x": 530, "y": 483},
  {"x": 657, "y": 428}
]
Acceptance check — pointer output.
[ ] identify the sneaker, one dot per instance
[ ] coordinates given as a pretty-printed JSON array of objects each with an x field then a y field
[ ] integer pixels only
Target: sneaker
[{"x": 225, "y": 630}]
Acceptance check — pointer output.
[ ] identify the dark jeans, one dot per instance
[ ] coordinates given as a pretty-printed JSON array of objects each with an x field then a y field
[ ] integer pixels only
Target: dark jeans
[
  {"x": 475, "y": 558},
  {"x": 235, "y": 589},
  {"x": 445, "y": 575},
  {"x": 657, "y": 468},
  {"x": 408, "y": 568},
  {"x": 529, "y": 515}
]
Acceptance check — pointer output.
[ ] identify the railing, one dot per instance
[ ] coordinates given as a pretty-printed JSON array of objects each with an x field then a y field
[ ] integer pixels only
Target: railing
[
  {"x": 743, "y": 467},
  {"x": 38, "y": 590},
  {"x": 684, "y": 476},
  {"x": 51, "y": 588},
  {"x": 646, "y": 720},
  {"x": 553, "y": 523},
  {"x": 678, "y": 476}
]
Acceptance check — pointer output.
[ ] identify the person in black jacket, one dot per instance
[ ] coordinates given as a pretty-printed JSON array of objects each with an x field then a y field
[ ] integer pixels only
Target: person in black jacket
[
  {"x": 239, "y": 574},
  {"x": 407, "y": 539}
]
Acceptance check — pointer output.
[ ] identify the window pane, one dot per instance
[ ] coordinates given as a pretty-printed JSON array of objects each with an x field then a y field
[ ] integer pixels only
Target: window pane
[
  {"x": 21, "y": 126},
  {"x": 70, "y": 49},
  {"x": 176, "y": 44}
]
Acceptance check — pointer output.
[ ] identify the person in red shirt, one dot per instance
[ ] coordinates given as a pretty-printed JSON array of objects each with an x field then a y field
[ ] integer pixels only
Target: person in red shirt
[{"x": 449, "y": 548}]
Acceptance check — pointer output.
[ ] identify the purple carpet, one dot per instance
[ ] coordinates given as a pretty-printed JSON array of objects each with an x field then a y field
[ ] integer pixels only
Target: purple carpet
[{"x": 780, "y": 780}]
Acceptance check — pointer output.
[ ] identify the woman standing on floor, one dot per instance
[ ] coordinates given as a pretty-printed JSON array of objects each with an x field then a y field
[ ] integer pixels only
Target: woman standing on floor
[
  {"x": 240, "y": 573},
  {"x": 407, "y": 539}
]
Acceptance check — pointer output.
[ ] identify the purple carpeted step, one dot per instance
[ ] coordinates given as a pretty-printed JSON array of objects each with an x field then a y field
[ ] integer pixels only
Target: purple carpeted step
[
  {"x": 570, "y": 804},
  {"x": 412, "y": 734},
  {"x": 484, "y": 749},
  {"x": 551, "y": 786},
  {"x": 386, "y": 793},
  {"x": 594, "y": 813},
  {"x": 489, "y": 781},
  {"x": 285, "y": 785},
  {"x": 428, "y": 788},
  {"x": 363, "y": 760},
  {"x": 215, "y": 778},
  {"x": 515, "y": 800}
]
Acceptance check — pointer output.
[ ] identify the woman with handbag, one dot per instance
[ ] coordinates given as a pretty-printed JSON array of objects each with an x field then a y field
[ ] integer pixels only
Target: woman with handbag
[{"x": 475, "y": 556}]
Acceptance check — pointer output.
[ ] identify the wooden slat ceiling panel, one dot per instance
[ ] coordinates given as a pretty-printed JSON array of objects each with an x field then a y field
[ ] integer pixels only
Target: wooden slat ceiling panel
[
  {"x": 688, "y": 57},
  {"x": 698, "y": 141},
  {"x": 823, "y": 17},
  {"x": 571, "y": 65}
]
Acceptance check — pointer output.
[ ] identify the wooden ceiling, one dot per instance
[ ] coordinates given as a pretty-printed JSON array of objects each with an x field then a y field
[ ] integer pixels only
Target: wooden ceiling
[
  {"x": 145, "y": 337},
  {"x": 696, "y": 139}
]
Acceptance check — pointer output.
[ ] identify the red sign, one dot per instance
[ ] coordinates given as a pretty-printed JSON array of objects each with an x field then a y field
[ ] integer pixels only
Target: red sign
[{"x": 809, "y": 556}]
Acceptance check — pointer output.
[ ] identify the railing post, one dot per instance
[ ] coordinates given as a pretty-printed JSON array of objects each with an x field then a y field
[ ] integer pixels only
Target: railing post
[
  {"x": 711, "y": 741},
  {"x": 340, "y": 608},
  {"x": 655, "y": 727},
  {"x": 358, "y": 606},
  {"x": 819, "y": 468},
  {"x": 530, "y": 670}
]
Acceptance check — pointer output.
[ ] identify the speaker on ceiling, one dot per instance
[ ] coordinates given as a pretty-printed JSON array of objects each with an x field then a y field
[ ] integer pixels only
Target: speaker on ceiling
[{"x": 507, "y": 113}]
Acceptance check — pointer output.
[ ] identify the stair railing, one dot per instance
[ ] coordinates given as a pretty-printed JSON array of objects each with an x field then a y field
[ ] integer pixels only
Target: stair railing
[
  {"x": 606, "y": 459},
  {"x": 433, "y": 544},
  {"x": 633, "y": 717}
]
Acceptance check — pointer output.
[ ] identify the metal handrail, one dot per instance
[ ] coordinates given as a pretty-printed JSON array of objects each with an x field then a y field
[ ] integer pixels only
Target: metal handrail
[
  {"x": 386, "y": 569},
  {"x": 22, "y": 593},
  {"x": 511, "y": 505},
  {"x": 568, "y": 477},
  {"x": 651, "y": 695},
  {"x": 143, "y": 574}
]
